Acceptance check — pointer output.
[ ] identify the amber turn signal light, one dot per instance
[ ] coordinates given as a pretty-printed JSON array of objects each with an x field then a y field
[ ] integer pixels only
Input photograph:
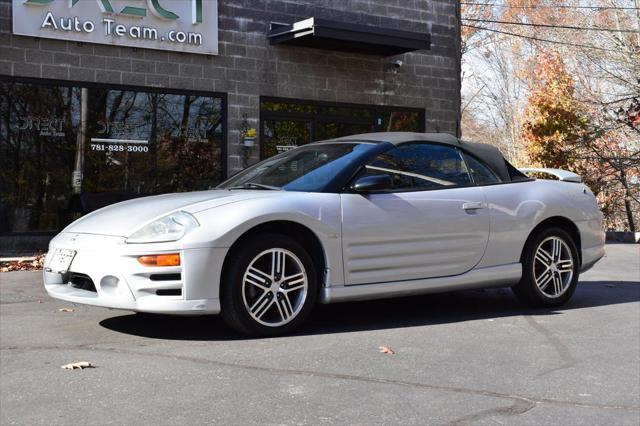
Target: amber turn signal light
[{"x": 172, "y": 259}]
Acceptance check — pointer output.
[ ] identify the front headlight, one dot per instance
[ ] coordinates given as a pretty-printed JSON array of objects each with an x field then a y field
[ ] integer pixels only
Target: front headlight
[{"x": 168, "y": 228}]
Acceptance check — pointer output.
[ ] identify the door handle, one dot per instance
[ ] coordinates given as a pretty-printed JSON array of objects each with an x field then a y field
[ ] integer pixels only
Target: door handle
[{"x": 473, "y": 206}]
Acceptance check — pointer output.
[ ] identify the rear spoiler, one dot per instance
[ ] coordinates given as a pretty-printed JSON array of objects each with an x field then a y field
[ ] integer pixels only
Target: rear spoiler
[{"x": 559, "y": 173}]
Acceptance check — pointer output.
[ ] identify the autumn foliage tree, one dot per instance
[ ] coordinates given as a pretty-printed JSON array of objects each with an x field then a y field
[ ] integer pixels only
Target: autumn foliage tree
[
  {"x": 558, "y": 132},
  {"x": 554, "y": 127},
  {"x": 556, "y": 84}
]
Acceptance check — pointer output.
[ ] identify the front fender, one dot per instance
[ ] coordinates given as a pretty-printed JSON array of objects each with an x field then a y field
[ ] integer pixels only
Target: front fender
[{"x": 222, "y": 226}]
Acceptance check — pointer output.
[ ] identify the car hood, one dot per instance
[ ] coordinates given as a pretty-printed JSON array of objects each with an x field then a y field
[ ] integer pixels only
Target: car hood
[{"x": 122, "y": 219}]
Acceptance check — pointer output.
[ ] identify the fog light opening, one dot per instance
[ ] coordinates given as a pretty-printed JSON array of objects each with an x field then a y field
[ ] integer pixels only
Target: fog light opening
[
  {"x": 109, "y": 285},
  {"x": 172, "y": 259}
]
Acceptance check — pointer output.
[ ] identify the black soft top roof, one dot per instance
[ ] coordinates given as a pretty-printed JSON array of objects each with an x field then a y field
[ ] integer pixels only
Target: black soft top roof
[{"x": 487, "y": 153}]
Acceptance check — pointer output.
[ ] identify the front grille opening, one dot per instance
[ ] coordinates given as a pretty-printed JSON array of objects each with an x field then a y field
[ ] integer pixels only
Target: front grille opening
[
  {"x": 80, "y": 281},
  {"x": 169, "y": 292},
  {"x": 165, "y": 277}
]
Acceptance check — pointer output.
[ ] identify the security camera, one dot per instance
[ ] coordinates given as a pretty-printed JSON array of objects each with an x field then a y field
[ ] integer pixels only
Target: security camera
[{"x": 393, "y": 67}]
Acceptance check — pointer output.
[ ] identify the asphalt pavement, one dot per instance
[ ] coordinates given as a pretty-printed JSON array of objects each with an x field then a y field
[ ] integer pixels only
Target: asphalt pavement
[{"x": 473, "y": 357}]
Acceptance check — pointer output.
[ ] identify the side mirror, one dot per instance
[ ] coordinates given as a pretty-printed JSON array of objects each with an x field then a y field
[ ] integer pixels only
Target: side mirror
[{"x": 372, "y": 183}]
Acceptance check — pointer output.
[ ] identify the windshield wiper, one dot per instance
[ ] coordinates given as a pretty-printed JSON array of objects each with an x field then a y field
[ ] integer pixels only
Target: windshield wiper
[{"x": 252, "y": 185}]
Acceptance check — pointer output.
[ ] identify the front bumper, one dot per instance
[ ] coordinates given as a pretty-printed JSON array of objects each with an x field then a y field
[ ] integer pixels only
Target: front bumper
[{"x": 105, "y": 272}]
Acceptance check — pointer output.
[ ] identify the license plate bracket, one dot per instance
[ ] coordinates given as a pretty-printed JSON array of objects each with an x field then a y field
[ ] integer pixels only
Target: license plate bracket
[{"x": 61, "y": 261}]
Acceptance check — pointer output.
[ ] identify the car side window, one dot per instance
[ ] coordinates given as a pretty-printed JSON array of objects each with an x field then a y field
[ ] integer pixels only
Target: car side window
[
  {"x": 482, "y": 174},
  {"x": 421, "y": 166}
]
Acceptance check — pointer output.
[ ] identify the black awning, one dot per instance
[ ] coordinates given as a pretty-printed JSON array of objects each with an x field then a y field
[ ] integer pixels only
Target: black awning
[{"x": 324, "y": 34}]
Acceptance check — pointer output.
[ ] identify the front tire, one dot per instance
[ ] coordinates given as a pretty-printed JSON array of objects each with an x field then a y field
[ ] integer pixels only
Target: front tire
[
  {"x": 269, "y": 286},
  {"x": 550, "y": 269}
]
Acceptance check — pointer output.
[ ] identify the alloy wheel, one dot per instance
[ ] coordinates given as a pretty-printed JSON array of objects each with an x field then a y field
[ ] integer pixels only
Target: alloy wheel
[
  {"x": 274, "y": 287},
  {"x": 553, "y": 267}
]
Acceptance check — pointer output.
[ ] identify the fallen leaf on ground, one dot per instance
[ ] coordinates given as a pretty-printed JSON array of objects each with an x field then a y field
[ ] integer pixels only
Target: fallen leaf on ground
[
  {"x": 65, "y": 310},
  {"x": 387, "y": 350},
  {"x": 25, "y": 264},
  {"x": 78, "y": 365}
]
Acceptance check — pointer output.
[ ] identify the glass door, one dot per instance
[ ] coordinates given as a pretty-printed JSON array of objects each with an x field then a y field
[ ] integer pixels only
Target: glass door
[{"x": 279, "y": 135}]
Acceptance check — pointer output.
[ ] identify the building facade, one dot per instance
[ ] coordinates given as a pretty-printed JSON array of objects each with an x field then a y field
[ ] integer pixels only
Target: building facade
[{"x": 105, "y": 100}]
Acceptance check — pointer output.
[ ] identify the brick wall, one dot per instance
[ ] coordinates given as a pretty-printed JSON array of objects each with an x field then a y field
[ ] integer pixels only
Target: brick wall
[{"x": 248, "y": 67}]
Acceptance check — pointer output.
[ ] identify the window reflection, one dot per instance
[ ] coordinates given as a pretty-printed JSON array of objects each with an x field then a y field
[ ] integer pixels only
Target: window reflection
[
  {"x": 401, "y": 121},
  {"x": 420, "y": 166},
  {"x": 283, "y": 135},
  {"x": 37, "y": 152},
  {"x": 331, "y": 130},
  {"x": 135, "y": 143},
  {"x": 284, "y": 107},
  {"x": 287, "y": 123}
]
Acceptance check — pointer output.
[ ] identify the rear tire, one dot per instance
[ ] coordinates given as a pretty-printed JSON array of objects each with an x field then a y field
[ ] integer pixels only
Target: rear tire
[
  {"x": 550, "y": 269},
  {"x": 269, "y": 286}
]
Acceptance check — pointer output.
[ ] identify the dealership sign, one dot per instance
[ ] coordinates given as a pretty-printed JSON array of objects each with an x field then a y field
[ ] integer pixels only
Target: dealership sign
[{"x": 177, "y": 25}]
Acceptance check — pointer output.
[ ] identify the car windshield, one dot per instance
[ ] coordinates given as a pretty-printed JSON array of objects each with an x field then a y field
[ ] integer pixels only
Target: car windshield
[{"x": 309, "y": 168}]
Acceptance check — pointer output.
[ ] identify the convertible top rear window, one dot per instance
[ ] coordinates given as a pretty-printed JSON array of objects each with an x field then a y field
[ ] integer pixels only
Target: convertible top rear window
[
  {"x": 481, "y": 173},
  {"x": 515, "y": 174}
]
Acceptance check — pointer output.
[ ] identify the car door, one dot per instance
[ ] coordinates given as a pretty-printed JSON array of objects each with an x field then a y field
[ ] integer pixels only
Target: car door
[{"x": 433, "y": 222}]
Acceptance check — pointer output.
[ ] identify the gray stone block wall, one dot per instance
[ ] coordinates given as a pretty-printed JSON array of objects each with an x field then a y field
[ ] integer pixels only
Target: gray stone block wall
[{"x": 247, "y": 67}]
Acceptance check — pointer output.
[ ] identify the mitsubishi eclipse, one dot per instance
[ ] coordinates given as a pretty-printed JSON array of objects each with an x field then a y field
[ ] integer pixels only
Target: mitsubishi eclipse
[{"x": 367, "y": 216}]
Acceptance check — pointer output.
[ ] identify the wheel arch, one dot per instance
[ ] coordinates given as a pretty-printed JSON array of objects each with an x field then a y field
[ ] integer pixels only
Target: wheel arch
[
  {"x": 294, "y": 230},
  {"x": 560, "y": 222}
]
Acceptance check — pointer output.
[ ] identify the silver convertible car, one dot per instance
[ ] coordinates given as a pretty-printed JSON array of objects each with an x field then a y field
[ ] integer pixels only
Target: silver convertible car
[{"x": 367, "y": 216}]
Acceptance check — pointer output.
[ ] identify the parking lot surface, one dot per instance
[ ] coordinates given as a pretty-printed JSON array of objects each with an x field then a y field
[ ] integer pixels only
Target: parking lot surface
[{"x": 473, "y": 357}]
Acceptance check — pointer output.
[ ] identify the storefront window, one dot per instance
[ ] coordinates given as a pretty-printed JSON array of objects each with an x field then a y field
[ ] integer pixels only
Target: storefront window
[
  {"x": 67, "y": 150},
  {"x": 287, "y": 124}
]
